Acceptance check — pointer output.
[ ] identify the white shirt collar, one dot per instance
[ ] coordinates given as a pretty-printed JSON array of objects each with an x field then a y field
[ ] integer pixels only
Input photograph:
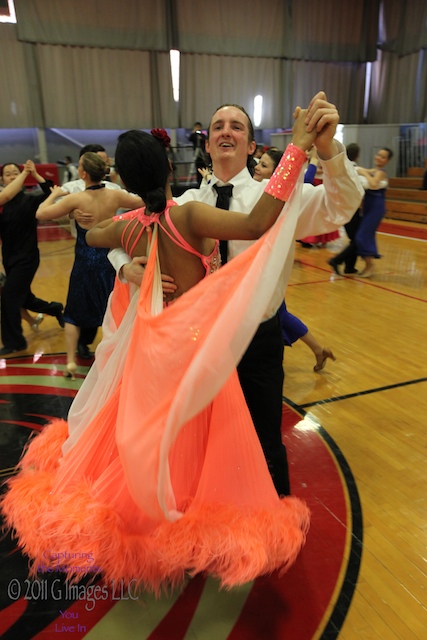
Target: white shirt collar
[{"x": 239, "y": 178}]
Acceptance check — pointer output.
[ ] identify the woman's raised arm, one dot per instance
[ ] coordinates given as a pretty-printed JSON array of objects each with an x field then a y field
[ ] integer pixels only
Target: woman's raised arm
[
  {"x": 50, "y": 210},
  {"x": 13, "y": 188}
]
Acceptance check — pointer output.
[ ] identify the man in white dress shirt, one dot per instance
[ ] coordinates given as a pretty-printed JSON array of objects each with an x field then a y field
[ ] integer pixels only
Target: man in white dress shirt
[
  {"x": 230, "y": 143},
  {"x": 70, "y": 172}
]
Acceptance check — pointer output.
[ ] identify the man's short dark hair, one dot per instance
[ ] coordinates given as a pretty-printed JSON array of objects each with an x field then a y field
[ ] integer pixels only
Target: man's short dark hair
[
  {"x": 94, "y": 148},
  {"x": 251, "y": 131}
]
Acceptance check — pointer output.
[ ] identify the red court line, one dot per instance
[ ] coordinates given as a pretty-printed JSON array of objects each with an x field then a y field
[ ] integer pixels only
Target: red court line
[
  {"x": 301, "y": 284},
  {"x": 25, "y": 371},
  {"x": 378, "y": 286},
  {"x": 35, "y": 389},
  {"x": 52, "y": 232},
  {"x": 403, "y": 230},
  {"x": 353, "y": 278}
]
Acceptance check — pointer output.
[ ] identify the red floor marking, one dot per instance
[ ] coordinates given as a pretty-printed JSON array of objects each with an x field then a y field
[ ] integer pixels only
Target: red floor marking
[
  {"x": 293, "y": 606},
  {"x": 45, "y": 234},
  {"x": 387, "y": 289},
  {"x": 177, "y": 620},
  {"x": 31, "y": 388},
  {"x": 352, "y": 279},
  {"x": 25, "y": 371},
  {"x": 11, "y": 614},
  {"x": 403, "y": 230}
]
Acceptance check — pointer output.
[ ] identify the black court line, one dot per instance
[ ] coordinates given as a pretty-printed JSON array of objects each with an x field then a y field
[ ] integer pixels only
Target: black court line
[
  {"x": 345, "y": 597},
  {"x": 299, "y": 407},
  {"x": 342, "y": 605}
]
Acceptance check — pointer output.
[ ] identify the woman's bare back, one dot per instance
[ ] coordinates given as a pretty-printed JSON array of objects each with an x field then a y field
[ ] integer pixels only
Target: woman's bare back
[
  {"x": 100, "y": 203},
  {"x": 183, "y": 266}
]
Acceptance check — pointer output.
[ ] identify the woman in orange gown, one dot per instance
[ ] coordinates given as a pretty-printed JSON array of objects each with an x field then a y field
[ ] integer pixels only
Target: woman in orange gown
[{"x": 159, "y": 471}]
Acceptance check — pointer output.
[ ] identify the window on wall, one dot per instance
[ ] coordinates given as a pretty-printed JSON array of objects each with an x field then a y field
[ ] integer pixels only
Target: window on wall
[
  {"x": 339, "y": 133},
  {"x": 7, "y": 11}
]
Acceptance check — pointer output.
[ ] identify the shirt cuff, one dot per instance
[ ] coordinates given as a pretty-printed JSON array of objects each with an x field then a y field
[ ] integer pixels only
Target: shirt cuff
[
  {"x": 118, "y": 258},
  {"x": 338, "y": 165}
]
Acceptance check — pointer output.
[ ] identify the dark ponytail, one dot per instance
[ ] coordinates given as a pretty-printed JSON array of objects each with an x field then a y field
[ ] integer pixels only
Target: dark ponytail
[
  {"x": 155, "y": 200},
  {"x": 142, "y": 164}
]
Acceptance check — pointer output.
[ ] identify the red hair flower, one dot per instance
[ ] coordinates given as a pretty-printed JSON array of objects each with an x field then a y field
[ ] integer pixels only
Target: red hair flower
[{"x": 162, "y": 136}]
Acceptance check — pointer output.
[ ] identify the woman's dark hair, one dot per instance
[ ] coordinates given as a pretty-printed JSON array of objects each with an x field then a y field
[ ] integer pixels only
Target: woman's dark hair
[
  {"x": 94, "y": 165},
  {"x": 143, "y": 165},
  {"x": 275, "y": 155},
  {"x": 6, "y": 164},
  {"x": 389, "y": 151}
]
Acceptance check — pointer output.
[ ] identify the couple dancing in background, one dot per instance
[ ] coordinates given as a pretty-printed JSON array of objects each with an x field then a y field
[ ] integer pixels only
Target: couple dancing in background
[
  {"x": 363, "y": 226},
  {"x": 21, "y": 256},
  {"x": 159, "y": 471}
]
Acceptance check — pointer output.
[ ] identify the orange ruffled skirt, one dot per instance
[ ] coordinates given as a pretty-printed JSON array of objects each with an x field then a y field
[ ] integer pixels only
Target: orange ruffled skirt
[{"x": 159, "y": 472}]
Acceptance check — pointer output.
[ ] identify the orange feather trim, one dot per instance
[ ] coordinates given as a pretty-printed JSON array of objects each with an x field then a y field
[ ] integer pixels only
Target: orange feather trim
[
  {"x": 233, "y": 544},
  {"x": 72, "y": 530}
]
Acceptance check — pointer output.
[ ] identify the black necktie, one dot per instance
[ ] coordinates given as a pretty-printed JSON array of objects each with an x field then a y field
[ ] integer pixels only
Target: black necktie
[{"x": 223, "y": 202}]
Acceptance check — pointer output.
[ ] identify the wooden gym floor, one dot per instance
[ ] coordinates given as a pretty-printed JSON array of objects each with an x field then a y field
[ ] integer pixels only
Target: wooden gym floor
[{"x": 356, "y": 439}]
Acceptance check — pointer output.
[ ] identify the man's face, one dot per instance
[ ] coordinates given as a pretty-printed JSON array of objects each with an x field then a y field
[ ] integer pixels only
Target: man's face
[
  {"x": 80, "y": 169},
  {"x": 229, "y": 138},
  {"x": 103, "y": 155}
]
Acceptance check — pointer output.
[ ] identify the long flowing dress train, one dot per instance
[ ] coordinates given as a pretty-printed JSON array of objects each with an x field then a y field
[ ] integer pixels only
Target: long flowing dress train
[{"x": 159, "y": 471}]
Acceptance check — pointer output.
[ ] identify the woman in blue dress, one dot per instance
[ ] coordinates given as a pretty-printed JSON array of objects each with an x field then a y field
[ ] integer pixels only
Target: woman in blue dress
[
  {"x": 373, "y": 210},
  {"x": 92, "y": 277}
]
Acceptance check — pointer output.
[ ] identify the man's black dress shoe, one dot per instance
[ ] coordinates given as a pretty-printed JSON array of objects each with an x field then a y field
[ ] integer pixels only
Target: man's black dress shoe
[
  {"x": 56, "y": 310},
  {"x": 83, "y": 351},
  {"x": 334, "y": 266},
  {"x": 5, "y": 351}
]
